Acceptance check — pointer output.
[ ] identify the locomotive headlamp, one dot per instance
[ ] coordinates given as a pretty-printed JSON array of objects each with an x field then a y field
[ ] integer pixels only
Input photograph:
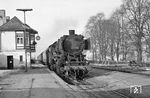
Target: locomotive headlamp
[{"x": 66, "y": 62}]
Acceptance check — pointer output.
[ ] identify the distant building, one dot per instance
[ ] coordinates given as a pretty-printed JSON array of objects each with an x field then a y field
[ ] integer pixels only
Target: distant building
[
  {"x": 17, "y": 40},
  {"x": 3, "y": 18}
]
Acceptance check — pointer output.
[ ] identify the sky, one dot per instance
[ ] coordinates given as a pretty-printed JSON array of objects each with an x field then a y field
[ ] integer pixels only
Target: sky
[{"x": 53, "y": 18}]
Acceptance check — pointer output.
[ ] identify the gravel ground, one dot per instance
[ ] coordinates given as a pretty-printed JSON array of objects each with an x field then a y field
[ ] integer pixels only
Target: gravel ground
[{"x": 117, "y": 84}]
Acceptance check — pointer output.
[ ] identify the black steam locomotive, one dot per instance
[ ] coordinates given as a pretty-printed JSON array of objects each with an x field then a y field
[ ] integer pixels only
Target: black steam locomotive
[{"x": 65, "y": 56}]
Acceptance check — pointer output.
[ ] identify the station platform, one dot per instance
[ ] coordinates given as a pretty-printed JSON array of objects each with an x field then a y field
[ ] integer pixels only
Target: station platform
[{"x": 38, "y": 82}]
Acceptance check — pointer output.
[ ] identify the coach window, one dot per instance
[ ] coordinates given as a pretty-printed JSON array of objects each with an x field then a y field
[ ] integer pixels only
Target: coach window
[{"x": 21, "y": 58}]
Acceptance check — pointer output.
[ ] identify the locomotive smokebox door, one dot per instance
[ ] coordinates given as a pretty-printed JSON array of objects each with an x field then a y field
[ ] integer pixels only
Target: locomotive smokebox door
[
  {"x": 71, "y": 32},
  {"x": 87, "y": 44}
]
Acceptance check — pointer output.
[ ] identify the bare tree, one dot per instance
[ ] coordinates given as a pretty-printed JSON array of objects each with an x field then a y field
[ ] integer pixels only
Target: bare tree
[
  {"x": 90, "y": 30},
  {"x": 137, "y": 15},
  {"x": 116, "y": 18}
]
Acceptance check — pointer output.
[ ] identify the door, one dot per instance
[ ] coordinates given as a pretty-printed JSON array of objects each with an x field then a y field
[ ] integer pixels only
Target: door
[{"x": 10, "y": 64}]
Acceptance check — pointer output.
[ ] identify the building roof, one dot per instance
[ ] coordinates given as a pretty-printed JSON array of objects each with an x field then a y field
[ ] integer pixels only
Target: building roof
[{"x": 16, "y": 25}]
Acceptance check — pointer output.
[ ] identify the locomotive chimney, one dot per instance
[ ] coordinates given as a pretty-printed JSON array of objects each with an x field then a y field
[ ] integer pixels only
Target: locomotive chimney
[{"x": 71, "y": 32}]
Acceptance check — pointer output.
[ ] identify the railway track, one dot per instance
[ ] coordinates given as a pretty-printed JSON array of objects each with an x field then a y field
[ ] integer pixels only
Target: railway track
[
  {"x": 87, "y": 89},
  {"x": 83, "y": 92},
  {"x": 94, "y": 90}
]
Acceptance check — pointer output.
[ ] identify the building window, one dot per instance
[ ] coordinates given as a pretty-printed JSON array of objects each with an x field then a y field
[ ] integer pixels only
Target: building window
[
  {"x": 21, "y": 58},
  {"x": 27, "y": 39},
  {"x": 19, "y": 38},
  {"x": 32, "y": 36}
]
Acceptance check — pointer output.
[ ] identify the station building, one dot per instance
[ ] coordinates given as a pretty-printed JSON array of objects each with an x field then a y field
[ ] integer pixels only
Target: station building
[{"x": 17, "y": 42}]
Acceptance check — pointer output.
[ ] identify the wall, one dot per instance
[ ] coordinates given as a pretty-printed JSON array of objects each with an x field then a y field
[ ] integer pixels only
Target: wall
[
  {"x": 16, "y": 57},
  {"x": 8, "y": 41},
  {"x": 8, "y": 47}
]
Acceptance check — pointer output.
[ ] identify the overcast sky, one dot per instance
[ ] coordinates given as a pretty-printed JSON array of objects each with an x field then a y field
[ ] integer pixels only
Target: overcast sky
[{"x": 53, "y": 18}]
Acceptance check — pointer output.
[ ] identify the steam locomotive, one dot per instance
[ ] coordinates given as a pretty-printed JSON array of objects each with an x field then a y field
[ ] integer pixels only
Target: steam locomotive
[{"x": 66, "y": 57}]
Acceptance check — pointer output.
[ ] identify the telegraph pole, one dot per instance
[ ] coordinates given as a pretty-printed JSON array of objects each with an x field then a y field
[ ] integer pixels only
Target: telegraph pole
[{"x": 24, "y": 11}]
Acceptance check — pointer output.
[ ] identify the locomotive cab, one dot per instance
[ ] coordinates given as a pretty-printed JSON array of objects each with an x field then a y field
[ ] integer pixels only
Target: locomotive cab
[{"x": 87, "y": 44}]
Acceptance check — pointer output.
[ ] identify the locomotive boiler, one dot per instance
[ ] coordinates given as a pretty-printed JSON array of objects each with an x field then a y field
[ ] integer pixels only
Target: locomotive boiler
[{"x": 66, "y": 57}]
